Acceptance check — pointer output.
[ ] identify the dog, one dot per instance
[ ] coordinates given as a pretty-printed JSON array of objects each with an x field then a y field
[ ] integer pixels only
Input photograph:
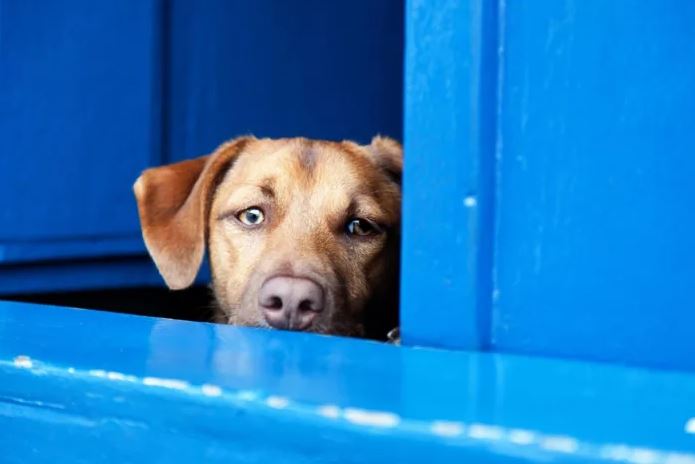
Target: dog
[{"x": 300, "y": 234}]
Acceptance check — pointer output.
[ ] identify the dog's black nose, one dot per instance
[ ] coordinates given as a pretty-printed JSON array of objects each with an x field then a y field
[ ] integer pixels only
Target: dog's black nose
[{"x": 290, "y": 302}]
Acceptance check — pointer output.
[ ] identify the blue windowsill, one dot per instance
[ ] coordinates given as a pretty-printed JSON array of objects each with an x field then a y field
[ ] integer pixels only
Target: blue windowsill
[{"x": 78, "y": 385}]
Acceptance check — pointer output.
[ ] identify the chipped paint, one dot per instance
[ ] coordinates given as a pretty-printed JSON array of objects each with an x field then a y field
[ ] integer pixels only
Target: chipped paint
[
  {"x": 521, "y": 437},
  {"x": 277, "y": 402},
  {"x": 678, "y": 458},
  {"x": 330, "y": 411},
  {"x": 211, "y": 390},
  {"x": 644, "y": 456},
  {"x": 447, "y": 428},
  {"x": 690, "y": 426},
  {"x": 121, "y": 377},
  {"x": 485, "y": 432},
  {"x": 561, "y": 444},
  {"x": 470, "y": 201},
  {"x": 24, "y": 362},
  {"x": 247, "y": 395},
  {"x": 371, "y": 418},
  {"x": 173, "y": 384}
]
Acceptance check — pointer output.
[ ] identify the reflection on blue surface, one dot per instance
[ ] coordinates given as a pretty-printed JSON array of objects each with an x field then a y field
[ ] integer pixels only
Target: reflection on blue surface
[{"x": 221, "y": 392}]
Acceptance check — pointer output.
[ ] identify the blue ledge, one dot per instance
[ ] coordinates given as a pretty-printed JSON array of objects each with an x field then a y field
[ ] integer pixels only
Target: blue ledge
[{"x": 84, "y": 386}]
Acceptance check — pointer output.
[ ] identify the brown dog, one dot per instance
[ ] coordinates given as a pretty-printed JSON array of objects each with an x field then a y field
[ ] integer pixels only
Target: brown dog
[{"x": 301, "y": 234}]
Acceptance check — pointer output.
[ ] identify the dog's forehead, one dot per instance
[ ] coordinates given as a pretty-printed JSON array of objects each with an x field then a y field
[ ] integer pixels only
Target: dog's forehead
[{"x": 301, "y": 162}]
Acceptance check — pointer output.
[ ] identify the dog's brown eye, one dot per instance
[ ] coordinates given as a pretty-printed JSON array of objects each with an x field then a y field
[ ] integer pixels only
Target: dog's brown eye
[
  {"x": 251, "y": 216},
  {"x": 362, "y": 227}
]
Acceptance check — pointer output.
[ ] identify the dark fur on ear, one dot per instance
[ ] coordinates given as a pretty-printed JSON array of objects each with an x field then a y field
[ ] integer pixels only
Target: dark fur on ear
[
  {"x": 388, "y": 154},
  {"x": 174, "y": 205}
]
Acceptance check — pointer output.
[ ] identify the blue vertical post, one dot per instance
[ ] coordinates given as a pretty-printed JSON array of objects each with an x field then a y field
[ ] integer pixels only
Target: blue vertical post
[{"x": 450, "y": 112}]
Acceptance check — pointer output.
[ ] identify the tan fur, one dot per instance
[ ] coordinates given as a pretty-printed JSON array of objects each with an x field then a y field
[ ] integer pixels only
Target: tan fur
[{"x": 308, "y": 191}]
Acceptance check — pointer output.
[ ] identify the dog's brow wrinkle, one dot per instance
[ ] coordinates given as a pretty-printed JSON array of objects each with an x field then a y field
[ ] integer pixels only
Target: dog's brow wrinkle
[
  {"x": 267, "y": 187},
  {"x": 307, "y": 156}
]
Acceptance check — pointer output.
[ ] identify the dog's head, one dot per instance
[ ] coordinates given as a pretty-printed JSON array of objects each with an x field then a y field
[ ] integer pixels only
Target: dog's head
[{"x": 301, "y": 234}]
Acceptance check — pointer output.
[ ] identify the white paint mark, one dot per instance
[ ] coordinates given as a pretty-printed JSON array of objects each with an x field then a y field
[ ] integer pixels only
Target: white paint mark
[
  {"x": 485, "y": 432},
  {"x": 247, "y": 395},
  {"x": 561, "y": 444},
  {"x": 679, "y": 458},
  {"x": 277, "y": 402},
  {"x": 120, "y": 377},
  {"x": 644, "y": 456},
  {"x": 470, "y": 201},
  {"x": 615, "y": 452},
  {"x": 165, "y": 383},
  {"x": 98, "y": 373},
  {"x": 211, "y": 390},
  {"x": 71, "y": 370},
  {"x": 371, "y": 418},
  {"x": 24, "y": 362},
  {"x": 330, "y": 411},
  {"x": 447, "y": 428},
  {"x": 521, "y": 437},
  {"x": 690, "y": 426}
]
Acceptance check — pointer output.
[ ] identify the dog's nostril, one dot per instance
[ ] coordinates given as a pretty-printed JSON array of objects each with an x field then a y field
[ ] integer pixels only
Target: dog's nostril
[
  {"x": 307, "y": 305},
  {"x": 275, "y": 302}
]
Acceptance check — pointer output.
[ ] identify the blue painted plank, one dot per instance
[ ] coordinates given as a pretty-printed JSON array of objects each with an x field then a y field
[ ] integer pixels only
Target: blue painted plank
[
  {"x": 77, "y": 386},
  {"x": 125, "y": 271},
  {"x": 596, "y": 232},
  {"x": 313, "y": 68},
  {"x": 76, "y": 248},
  {"x": 449, "y": 151},
  {"x": 52, "y": 276},
  {"x": 79, "y": 115}
]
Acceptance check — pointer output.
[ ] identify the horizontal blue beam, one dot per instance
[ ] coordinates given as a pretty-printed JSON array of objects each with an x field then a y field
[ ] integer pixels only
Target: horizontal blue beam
[
  {"x": 33, "y": 250},
  {"x": 83, "y": 386}
]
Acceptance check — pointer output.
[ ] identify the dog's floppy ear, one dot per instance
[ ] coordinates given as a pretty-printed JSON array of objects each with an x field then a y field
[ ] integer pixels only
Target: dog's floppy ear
[
  {"x": 174, "y": 203},
  {"x": 388, "y": 154}
]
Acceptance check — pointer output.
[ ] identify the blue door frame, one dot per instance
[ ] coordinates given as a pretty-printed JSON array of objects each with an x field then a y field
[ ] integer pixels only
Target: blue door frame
[{"x": 548, "y": 194}]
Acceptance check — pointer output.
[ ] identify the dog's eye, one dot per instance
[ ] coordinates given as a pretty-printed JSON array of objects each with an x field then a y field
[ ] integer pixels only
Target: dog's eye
[
  {"x": 251, "y": 216},
  {"x": 362, "y": 227}
]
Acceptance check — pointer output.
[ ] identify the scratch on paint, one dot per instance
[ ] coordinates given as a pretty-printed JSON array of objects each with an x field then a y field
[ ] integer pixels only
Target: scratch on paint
[
  {"x": 371, "y": 418},
  {"x": 211, "y": 390},
  {"x": 23, "y": 362},
  {"x": 447, "y": 428},
  {"x": 165, "y": 383},
  {"x": 690, "y": 426},
  {"x": 277, "y": 402}
]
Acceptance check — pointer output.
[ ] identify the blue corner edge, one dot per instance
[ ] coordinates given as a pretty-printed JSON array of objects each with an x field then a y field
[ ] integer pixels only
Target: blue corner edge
[{"x": 89, "y": 386}]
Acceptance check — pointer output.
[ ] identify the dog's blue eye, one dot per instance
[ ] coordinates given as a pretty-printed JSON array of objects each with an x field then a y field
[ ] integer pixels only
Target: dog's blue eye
[
  {"x": 361, "y": 227},
  {"x": 251, "y": 216}
]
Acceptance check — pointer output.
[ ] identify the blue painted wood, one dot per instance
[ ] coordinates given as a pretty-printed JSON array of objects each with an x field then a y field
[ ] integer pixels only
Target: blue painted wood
[
  {"x": 73, "y": 275},
  {"x": 330, "y": 70},
  {"x": 79, "y": 115},
  {"x": 596, "y": 234},
  {"x": 85, "y": 247},
  {"x": 449, "y": 152},
  {"x": 82, "y": 386}
]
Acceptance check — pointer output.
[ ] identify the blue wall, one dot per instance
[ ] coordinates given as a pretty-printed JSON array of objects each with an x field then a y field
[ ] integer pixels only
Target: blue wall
[{"x": 551, "y": 145}]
